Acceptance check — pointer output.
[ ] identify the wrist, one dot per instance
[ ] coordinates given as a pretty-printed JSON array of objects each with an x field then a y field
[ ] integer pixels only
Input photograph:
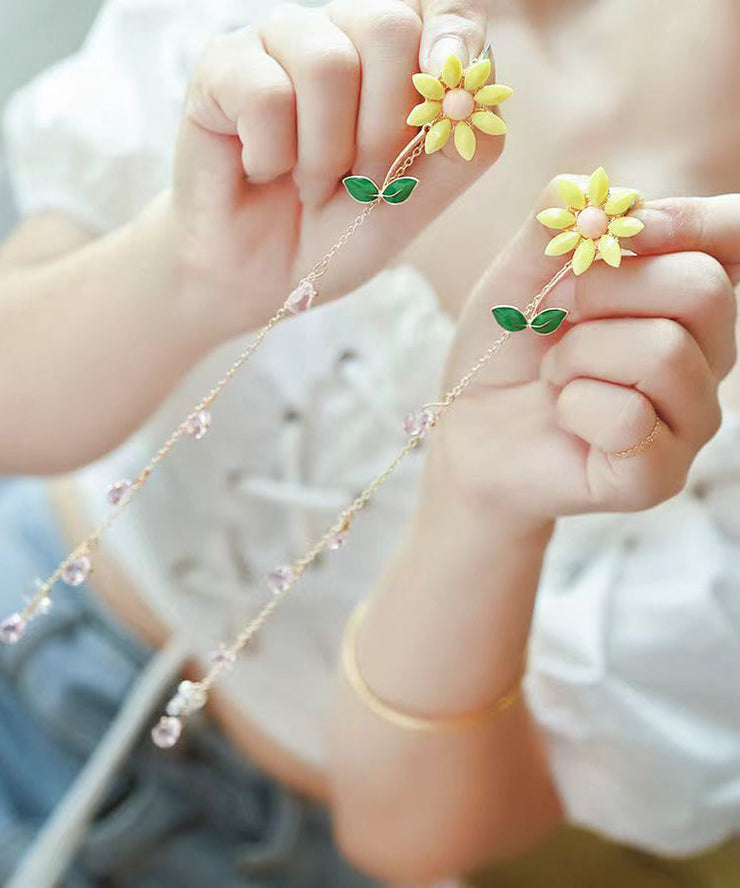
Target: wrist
[
  {"x": 204, "y": 310},
  {"x": 464, "y": 580},
  {"x": 451, "y": 498}
]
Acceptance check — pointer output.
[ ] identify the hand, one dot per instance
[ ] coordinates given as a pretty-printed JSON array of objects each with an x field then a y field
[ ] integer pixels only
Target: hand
[
  {"x": 276, "y": 116},
  {"x": 536, "y": 434}
]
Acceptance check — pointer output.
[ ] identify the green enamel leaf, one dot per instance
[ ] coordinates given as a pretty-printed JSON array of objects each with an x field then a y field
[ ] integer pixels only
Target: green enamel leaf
[
  {"x": 509, "y": 318},
  {"x": 399, "y": 190},
  {"x": 548, "y": 321},
  {"x": 361, "y": 189}
]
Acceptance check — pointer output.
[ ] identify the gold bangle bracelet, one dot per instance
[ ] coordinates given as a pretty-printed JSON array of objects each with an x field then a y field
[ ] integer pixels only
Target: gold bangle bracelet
[{"x": 405, "y": 720}]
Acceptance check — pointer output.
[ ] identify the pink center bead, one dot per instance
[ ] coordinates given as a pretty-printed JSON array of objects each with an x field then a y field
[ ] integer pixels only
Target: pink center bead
[
  {"x": 301, "y": 299},
  {"x": 117, "y": 491},
  {"x": 77, "y": 571},
  {"x": 592, "y": 222},
  {"x": 12, "y": 629},
  {"x": 458, "y": 104},
  {"x": 166, "y": 732}
]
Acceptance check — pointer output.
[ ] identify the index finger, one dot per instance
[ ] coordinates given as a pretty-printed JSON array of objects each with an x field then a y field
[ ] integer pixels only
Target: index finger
[{"x": 692, "y": 224}]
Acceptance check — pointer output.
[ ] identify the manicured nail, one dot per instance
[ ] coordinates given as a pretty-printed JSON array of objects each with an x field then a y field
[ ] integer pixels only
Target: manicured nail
[
  {"x": 659, "y": 228},
  {"x": 441, "y": 50}
]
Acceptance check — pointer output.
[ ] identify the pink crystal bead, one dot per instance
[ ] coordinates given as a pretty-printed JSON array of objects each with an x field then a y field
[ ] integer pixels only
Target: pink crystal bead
[
  {"x": 592, "y": 222},
  {"x": 167, "y": 732},
  {"x": 198, "y": 424},
  {"x": 338, "y": 540},
  {"x": 301, "y": 298},
  {"x": 77, "y": 571},
  {"x": 176, "y": 706},
  {"x": 223, "y": 657},
  {"x": 117, "y": 491},
  {"x": 280, "y": 579},
  {"x": 417, "y": 423},
  {"x": 12, "y": 629},
  {"x": 458, "y": 104},
  {"x": 193, "y": 695}
]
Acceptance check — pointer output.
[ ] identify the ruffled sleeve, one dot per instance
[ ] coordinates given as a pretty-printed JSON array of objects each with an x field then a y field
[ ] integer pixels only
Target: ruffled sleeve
[
  {"x": 93, "y": 137},
  {"x": 635, "y": 667}
]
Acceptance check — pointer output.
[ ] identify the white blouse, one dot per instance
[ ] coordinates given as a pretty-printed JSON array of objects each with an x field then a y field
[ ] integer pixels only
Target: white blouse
[{"x": 636, "y": 639}]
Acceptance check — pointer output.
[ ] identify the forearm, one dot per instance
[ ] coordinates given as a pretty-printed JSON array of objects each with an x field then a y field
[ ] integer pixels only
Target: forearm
[
  {"x": 89, "y": 345},
  {"x": 445, "y": 634}
]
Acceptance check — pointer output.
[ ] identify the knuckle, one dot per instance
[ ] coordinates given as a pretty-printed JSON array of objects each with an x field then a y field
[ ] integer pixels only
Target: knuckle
[
  {"x": 265, "y": 101},
  {"x": 215, "y": 55},
  {"x": 709, "y": 280},
  {"x": 397, "y": 25},
  {"x": 338, "y": 63},
  {"x": 671, "y": 344},
  {"x": 214, "y": 72}
]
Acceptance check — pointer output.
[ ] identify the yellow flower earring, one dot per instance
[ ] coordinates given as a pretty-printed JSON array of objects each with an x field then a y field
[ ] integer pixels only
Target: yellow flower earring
[
  {"x": 593, "y": 222},
  {"x": 456, "y": 102},
  {"x": 591, "y": 226}
]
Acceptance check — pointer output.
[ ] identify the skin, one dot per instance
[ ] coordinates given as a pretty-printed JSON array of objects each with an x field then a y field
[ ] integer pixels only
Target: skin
[{"x": 256, "y": 198}]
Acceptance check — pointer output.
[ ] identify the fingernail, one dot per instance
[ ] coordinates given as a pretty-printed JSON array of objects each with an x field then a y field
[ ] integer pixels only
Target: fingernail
[
  {"x": 658, "y": 228},
  {"x": 441, "y": 50}
]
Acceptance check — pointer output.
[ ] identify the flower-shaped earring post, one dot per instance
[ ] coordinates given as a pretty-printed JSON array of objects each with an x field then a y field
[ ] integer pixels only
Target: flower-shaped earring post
[
  {"x": 593, "y": 222},
  {"x": 590, "y": 226},
  {"x": 455, "y": 102}
]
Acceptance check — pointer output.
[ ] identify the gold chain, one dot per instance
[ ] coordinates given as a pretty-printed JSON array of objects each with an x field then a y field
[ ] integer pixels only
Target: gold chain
[
  {"x": 346, "y": 517},
  {"x": 434, "y": 412},
  {"x": 404, "y": 160}
]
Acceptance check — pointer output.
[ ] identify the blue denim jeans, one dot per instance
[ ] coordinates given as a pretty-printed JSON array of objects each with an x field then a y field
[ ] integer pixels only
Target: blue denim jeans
[{"x": 203, "y": 817}]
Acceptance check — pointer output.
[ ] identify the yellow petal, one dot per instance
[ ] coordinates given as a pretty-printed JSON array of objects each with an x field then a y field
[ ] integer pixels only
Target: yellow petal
[
  {"x": 464, "y": 141},
  {"x": 620, "y": 202},
  {"x": 493, "y": 94},
  {"x": 598, "y": 187},
  {"x": 488, "y": 122},
  {"x": 584, "y": 256},
  {"x": 556, "y": 217},
  {"x": 429, "y": 87},
  {"x": 610, "y": 251},
  {"x": 426, "y": 112},
  {"x": 437, "y": 136},
  {"x": 563, "y": 243},
  {"x": 626, "y": 226},
  {"x": 572, "y": 193},
  {"x": 452, "y": 71},
  {"x": 477, "y": 74}
]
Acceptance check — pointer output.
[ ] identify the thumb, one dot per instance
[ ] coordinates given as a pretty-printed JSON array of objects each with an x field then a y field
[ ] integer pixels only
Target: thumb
[{"x": 451, "y": 27}]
